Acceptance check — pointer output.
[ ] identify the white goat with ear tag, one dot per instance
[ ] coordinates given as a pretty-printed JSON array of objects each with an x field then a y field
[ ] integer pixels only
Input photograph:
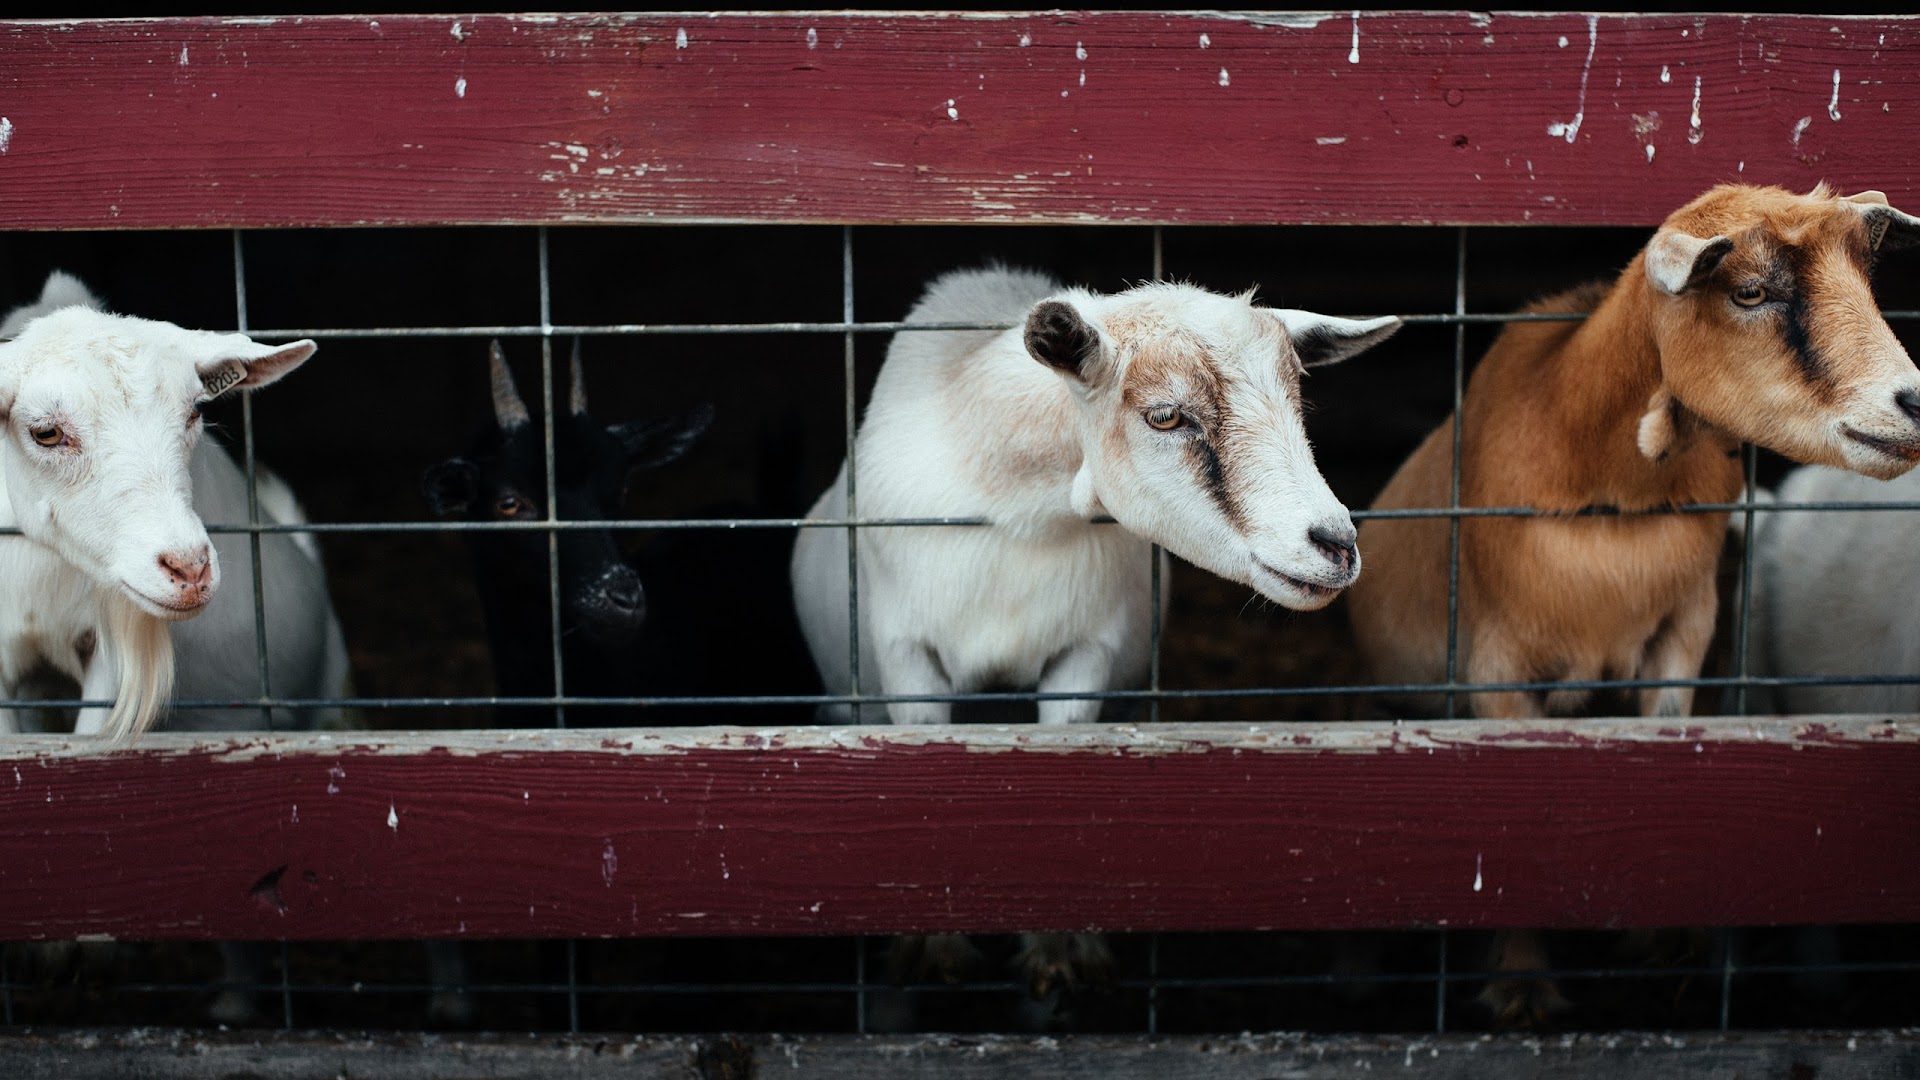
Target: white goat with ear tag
[{"x": 106, "y": 476}]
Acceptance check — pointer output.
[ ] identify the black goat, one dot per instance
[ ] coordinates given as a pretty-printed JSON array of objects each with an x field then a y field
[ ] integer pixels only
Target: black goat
[{"x": 713, "y": 617}]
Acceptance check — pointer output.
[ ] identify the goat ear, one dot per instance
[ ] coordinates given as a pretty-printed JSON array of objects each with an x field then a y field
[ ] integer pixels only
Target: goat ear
[
  {"x": 1322, "y": 339},
  {"x": 655, "y": 442},
  {"x": 239, "y": 363},
  {"x": 1677, "y": 261},
  {"x": 1887, "y": 228},
  {"x": 1058, "y": 336},
  {"x": 451, "y": 486}
]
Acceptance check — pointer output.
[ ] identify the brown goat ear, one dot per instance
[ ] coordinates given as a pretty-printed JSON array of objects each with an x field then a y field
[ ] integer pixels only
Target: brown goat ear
[
  {"x": 1058, "y": 336},
  {"x": 1677, "y": 262},
  {"x": 1887, "y": 228}
]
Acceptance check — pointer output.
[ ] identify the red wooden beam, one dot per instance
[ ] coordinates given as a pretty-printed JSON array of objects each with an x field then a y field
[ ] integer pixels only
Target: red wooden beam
[
  {"x": 873, "y": 830},
  {"x": 830, "y": 117}
]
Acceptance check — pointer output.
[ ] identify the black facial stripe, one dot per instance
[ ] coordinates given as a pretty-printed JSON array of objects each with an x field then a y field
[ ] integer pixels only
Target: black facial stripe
[
  {"x": 1793, "y": 328},
  {"x": 1213, "y": 477},
  {"x": 1794, "y": 331}
]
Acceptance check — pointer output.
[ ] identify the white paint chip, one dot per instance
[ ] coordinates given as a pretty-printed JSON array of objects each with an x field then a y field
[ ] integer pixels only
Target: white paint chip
[
  {"x": 680, "y": 38},
  {"x": 1477, "y": 880},
  {"x": 1649, "y": 153},
  {"x": 1563, "y": 41},
  {"x": 813, "y": 38},
  {"x": 1205, "y": 41},
  {"x": 609, "y": 862},
  {"x": 183, "y": 56},
  {"x": 1694, "y": 131},
  {"x": 1353, "y": 54},
  {"x": 1666, "y": 76},
  {"x": 393, "y": 818},
  {"x": 1225, "y": 79},
  {"x": 459, "y": 34},
  {"x": 1800, "y": 128},
  {"x": 1026, "y": 40},
  {"x": 1570, "y": 130},
  {"x": 6, "y": 140},
  {"x": 953, "y": 112},
  {"x": 1833, "y": 106},
  {"x": 460, "y": 87},
  {"x": 1330, "y": 140}
]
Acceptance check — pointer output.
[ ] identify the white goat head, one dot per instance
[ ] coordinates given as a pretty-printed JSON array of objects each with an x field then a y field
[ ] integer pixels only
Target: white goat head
[
  {"x": 1191, "y": 434},
  {"x": 1764, "y": 312},
  {"x": 101, "y": 415}
]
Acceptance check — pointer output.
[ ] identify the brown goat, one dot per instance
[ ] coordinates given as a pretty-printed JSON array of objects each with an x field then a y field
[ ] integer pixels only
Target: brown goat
[{"x": 1748, "y": 317}]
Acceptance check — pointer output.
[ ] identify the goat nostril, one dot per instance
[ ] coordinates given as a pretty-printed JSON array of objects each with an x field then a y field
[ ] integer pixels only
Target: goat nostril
[
  {"x": 1909, "y": 402},
  {"x": 625, "y": 594},
  {"x": 188, "y": 571},
  {"x": 1336, "y": 544}
]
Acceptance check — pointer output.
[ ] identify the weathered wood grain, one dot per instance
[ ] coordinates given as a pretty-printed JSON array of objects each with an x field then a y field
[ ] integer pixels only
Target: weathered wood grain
[
  {"x": 150, "y": 1054},
  {"x": 1057, "y": 117},
  {"x": 878, "y": 830}
]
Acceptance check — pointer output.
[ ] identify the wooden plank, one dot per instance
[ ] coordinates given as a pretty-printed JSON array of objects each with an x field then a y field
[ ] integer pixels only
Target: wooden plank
[
  {"x": 828, "y": 117},
  {"x": 723, "y": 831},
  {"x": 150, "y": 1054}
]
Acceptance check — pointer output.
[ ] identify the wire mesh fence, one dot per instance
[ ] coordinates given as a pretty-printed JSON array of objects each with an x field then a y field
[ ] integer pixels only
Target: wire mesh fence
[{"x": 1168, "y": 982}]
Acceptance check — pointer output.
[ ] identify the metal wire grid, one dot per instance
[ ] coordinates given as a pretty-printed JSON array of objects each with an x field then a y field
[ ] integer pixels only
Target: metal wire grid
[{"x": 861, "y": 987}]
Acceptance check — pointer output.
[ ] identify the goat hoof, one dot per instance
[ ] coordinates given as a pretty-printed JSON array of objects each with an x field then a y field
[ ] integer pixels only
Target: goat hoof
[
  {"x": 1523, "y": 1004},
  {"x": 1067, "y": 963}
]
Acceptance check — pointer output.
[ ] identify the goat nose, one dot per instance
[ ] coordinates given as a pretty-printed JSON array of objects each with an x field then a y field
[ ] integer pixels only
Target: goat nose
[
  {"x": 191, "y": 571},
  {"x": 1337, "y": 543},
  {"x": 1909, "y": 402},
  {"x": 625, "y": 593}
]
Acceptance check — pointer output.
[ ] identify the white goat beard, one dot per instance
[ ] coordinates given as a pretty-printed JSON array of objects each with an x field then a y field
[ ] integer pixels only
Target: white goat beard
[{"x": 143, "y": 647}]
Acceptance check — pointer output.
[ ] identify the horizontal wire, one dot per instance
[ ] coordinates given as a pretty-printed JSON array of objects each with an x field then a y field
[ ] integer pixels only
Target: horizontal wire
[
  {"x": 1172, "y": 982},
  {"x": 534, "y": 330},
  {"x": 1206, "y": 694},
  {"x": 678, "y": 524}
]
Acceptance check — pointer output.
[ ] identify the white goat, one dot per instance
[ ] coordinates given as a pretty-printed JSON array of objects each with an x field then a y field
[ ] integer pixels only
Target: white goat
[
  {"x": 1833, "y": 592},
  {"x": 107, "y": 477},
  {"x": 1173, "y": 409}
]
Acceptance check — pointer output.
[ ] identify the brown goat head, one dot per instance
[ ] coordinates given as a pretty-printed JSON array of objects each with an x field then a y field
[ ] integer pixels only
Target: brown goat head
[{"x": 1764, "y": 315}]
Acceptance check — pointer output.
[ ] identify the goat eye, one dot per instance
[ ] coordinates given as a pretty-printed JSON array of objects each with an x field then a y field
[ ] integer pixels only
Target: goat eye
[
  {"x": 193, "y": 416},
  {"x": 1164, "y": 418},
  {"x": 1749, "y": 295},
  {"x": 508, "y": 506},
  {"x": 51, "y": 435}
]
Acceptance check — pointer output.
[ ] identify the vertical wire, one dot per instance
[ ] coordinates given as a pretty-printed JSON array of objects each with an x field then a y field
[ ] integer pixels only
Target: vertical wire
[
  {"x": 1453, "y": 489},
  {"x": 1740, "y": 642},
  {"x": 1153, "y": 966},
  {"x": 253, "y": 493},
  {"x": 853, "y": 506},
  {"x": 1440, "y": 989},
  {"x": 860, "y": 985},
  {"x": 286, "y": 986},
  {"x": 1153, "y": 664},
  {"x": 1726, "y": 977},
  {"x": 573, "y": 987},
  {"x": 553, "y": 488}
]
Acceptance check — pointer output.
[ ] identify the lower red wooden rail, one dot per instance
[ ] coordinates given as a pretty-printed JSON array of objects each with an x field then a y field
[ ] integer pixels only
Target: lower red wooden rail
[{"x": 867, "y": 830}]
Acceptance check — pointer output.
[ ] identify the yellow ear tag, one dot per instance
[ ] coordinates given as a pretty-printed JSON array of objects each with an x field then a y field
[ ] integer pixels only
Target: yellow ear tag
[{"x": 220, "y": 381}]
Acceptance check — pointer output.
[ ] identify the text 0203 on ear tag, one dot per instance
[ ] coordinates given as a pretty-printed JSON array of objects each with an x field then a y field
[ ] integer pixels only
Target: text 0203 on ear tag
[{"x": 222, "y": 380}]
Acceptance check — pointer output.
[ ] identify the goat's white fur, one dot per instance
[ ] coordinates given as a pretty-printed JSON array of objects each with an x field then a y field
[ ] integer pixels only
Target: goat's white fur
[
  {"x": 969, "y": 424},
  {"x": 1833, "y": 592},
  {"x": 76, "y": 591}
]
